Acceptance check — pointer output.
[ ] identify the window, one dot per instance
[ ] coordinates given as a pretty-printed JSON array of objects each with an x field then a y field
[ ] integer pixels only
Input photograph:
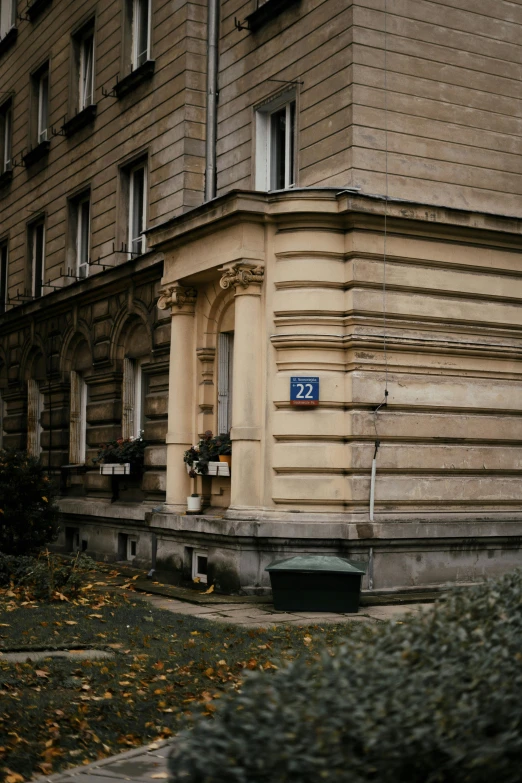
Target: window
[
  {"x": 3, "y": 276},
  {"x": 7, "y": 16},
  {"x": 137, "y": 208},
  {"x": 199, "y": 565},
  {"x": 78, "y": 419},
  {"x": 225, "y": 355},
  {"x": 140, "y": 24},
  {"x": 134, "y": 392},
  {"x": 275, "y": 144},
  {"x": 80, "y": 231},
  {"x": 86, "y": 68},
  {"x": 37, "y": 257},
  {"x": 41, "y": 103},
  {"x": 2, "y": 413},
  {"x": 34, "y": 413},
  {"x": 6, "y": 129}
]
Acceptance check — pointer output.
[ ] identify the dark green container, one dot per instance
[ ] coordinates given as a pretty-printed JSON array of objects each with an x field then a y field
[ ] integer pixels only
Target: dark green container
[{"x": 316, "y": 583}]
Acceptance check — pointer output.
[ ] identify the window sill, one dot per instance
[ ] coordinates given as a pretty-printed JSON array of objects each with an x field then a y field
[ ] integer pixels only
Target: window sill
[
  {"x": 8, "y": 40},
  {"x": 135, "y": 78},
  {"x": 35, "y": 8},
  {"x": 37, "y": 153},
  {"x": 81, "y": 120},
  {"x": 265, "y": 12},
  {"x": 6, "y": 177}
]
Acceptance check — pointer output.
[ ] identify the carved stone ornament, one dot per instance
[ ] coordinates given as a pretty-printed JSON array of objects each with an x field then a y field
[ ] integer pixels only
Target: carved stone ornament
[
  {"x": 242, "y": 274},
  {"x": 176, "y": 295}
]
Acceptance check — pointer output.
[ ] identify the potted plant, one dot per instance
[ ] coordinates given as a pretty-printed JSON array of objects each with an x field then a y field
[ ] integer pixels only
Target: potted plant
[
  {"x": 122, "y": 456},
  {"x": 211, "y": 449}
]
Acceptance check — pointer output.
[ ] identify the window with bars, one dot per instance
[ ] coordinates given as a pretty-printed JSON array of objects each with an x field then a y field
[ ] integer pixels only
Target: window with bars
[{"x": 276, "y": 144}]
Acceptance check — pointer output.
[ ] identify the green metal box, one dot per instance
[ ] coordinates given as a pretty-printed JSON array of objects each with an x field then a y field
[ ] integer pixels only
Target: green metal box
[{"x": 316, "y": 583}]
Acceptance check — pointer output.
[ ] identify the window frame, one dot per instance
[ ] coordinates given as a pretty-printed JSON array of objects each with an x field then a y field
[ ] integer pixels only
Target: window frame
[
  {"x": 265, "y": 148},
  {"x": 42, "y": 105},
  {"x": 37, "y": 286},
  {"x": 196, "y": 574},
  {"x": 80, "y": 202},
  {"x": 6, "y": 136},
  {"x": 137, "y": 58},
  {"x": 85, "y": 35},
  {"x": 131, "y": 241},
  {"x": 78, "y": 419},
  {"x": 11, "y": 8},
  {"x": 4, "y": 275}
]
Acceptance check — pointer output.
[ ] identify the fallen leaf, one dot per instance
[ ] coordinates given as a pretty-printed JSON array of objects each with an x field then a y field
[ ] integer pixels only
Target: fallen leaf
[
  {"x": 160, "y": 776},
  {"x": 70, "y": 622},
  {"x": 107, "y": 695},
  {"x": 13, "y": 777},
  {"x": 210, "y": 590},
  {"x": 307, "y": 639},
  {"x": 41, "y": 673}
]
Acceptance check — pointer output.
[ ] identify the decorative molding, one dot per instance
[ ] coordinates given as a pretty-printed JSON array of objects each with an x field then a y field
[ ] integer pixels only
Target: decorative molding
[
  {"x": 177, "y": 295},
  {"x": 241, "y": 274}
]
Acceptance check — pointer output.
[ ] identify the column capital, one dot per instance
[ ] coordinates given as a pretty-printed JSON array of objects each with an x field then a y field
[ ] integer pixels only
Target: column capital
[
  {"x": 177, "y": 295},
  {"x": 241, "y": 275}
]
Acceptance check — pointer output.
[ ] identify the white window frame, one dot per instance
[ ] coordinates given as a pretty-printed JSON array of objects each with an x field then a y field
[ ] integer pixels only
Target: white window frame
[
  {"x": 137, "y": 245},
  {"x": 35, "y": 404},
  {"x": 78, "y": 419},
  {"x": 7, "y": 16},
  {"x": 82, "y": 264},
  {"x": 86, "y": 70},
  {"x": 133, "y": 398},
  {"x": 140, "y": 57},
  {"x": 6, "y": 114},
  {"x": 196, "y": 574},
  {"x": 4, "y": 275},
  {"x": 43, "y": 105},
  {"x": 264, "y": 143},
  {"x": 37, "y": 285},
  {"x": 224, "y": 381}
]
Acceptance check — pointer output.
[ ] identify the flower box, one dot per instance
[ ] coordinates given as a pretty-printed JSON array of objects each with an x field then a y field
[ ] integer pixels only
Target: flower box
[
  {"x": 115, "y": 469},
  {"x": 214, "y": 469}
]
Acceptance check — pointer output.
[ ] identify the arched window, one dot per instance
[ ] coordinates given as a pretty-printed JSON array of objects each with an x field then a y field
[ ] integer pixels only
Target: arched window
[
  {"x": 135, "y": 381},
  {"x": 225, "y": 356},
  {"x": 35, "y": 406},
  {"x": 81, "y": 364}
]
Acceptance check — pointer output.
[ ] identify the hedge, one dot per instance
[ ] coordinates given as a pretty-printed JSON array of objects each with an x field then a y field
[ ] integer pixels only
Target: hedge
[{"x": 436, "y": 699}]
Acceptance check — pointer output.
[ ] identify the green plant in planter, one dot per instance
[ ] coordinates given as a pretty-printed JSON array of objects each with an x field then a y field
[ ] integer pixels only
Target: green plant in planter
[
  {"x": 121, "y": 451},
  {"x": 208, "y": 450}
]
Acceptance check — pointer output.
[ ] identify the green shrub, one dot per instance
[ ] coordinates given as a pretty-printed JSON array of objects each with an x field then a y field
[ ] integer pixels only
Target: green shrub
[
  {"x": 46, "y": 577},
  {"x": 28, "y": 514},
  {"x": 436, "y": 699}
]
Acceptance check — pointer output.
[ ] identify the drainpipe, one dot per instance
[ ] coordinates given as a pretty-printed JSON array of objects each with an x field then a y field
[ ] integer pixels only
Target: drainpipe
[{"x": 212, "y": 83}]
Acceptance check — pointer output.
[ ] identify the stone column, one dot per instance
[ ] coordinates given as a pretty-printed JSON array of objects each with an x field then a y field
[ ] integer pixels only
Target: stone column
[
  {"x": 182, "y": 302},
  {"x": 247, "y": 384}
]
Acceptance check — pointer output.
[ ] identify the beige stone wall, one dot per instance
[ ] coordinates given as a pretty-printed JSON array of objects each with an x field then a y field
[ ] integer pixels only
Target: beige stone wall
[
  {"x": 449, "y": 434},
  {"x": 450, "y": 98}
]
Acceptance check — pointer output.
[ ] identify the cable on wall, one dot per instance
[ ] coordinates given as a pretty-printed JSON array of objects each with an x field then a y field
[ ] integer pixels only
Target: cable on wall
[{"x": 386, "y": 195}]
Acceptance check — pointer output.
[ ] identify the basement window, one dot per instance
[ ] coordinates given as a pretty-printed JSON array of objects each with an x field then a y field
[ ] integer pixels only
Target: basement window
[{"x": 199, "y": 565}]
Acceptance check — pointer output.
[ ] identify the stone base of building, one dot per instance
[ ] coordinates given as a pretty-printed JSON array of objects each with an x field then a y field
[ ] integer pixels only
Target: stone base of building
[{"x": 416, "y": 554}]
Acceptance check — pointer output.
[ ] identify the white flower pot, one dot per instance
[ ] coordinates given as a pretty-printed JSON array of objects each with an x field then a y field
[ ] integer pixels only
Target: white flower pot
[{"x": 193, "y": 504}]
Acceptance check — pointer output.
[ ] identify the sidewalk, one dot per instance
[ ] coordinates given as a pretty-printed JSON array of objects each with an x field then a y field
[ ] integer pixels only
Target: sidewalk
[{"x": 149, "y": 763}]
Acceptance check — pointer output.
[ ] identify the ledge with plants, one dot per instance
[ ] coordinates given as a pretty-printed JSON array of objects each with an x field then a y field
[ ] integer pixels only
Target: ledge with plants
[
  {"x": 121, "y": 457},
  {"x": 211, "y": 457}
]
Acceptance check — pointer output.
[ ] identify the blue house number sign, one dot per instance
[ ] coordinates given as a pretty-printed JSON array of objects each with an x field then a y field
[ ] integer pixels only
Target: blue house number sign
[{"x": 304, "y": 391}]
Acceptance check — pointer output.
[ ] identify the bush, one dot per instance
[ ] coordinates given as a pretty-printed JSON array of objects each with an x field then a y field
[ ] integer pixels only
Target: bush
[
  {"x": 28, "y": 514},
  {"x": 44, "y": 578},
  {"x": 436, "y": 699}
]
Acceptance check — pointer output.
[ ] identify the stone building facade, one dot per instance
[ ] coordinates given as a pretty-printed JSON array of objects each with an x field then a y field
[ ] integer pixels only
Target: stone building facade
[{"x": 331, "y": 189}]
